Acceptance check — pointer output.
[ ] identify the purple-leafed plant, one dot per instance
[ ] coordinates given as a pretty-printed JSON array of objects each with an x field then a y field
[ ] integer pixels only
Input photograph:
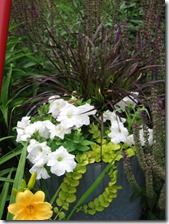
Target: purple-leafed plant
[{"x": 91, "y": 52}]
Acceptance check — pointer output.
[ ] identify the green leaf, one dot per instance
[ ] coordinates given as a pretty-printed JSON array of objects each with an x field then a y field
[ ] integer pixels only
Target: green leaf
[
  {"x": 72, "y": 189},
  {"x": 82, "y": 148},
  {"x": 5, "y": 87},
  {"x": 59, "y": 202},
  {"x": 6, "y": 179},
  {"x": 100, "y": 208},
  {"x": 91, "y": 205},
  {"x": 18, "y": 176},
  {"x": 66, "y": 206},
  {"x": 130, "y": 152},
  {"x": 6, "y": 171},
  {"x": 61, "y": 215},
  {"x": 4, "y": 194},
  {"x": 62, "y": 195},
  {"x": 96, "y": 202},
  {"x": 91, "y": 212},
  {"x": 86, "y": 142},
  {"x": 81, "y": 169},
  {"x": 10, "y": 155},
  {"x": 71, "y": 198},
  {"x": 64, "y": 187},
  {"x": 74, "y": 183},
  {"x": 76, "y": 176},
  {"x": 4, "y": 138},
  {"x": 105, "y": 203},
  {"x": 55, "y": 195},
  {"x": 4, "y": 95}
]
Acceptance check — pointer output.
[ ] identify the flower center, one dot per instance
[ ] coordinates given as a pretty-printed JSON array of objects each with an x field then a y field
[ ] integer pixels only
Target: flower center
[
  {"x": 30, "y": 209},
  {"x": 69, "y": 115},
  {"x": 60, "y": 159}
]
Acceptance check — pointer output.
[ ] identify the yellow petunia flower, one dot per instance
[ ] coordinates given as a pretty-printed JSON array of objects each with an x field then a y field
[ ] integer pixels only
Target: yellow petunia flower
[{"x": 30, "y": 206}]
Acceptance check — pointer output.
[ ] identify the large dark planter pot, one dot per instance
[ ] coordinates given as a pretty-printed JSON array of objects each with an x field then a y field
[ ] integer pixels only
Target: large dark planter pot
[{"x": 121, "y": 208}]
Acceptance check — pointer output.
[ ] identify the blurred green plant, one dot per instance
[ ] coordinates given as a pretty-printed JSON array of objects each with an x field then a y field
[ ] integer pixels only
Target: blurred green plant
[
  {"x": 20, "y": 63},
  {"x": 152, "y": 161}
]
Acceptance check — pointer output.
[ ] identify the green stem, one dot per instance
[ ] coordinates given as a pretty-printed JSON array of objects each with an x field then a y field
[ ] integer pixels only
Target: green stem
[{"x": 55, "y": 195}]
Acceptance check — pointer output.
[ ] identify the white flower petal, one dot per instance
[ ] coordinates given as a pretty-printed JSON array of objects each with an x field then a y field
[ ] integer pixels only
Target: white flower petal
[
  {"x": 112, "y": 116},
  {"x": 61, "y": 161},
  {"x": 118, "y": 133},
  {"x": 56, "y": 105},
  {"x": 75, "y": 117},
  {"x": 40, "y": 171},
  {"x": 126, "y": 101},
  {"x": 38, "y": 152}
]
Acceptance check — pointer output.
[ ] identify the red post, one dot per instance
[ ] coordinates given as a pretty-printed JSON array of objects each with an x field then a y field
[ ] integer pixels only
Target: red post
[{"x": 5, "y": 8}]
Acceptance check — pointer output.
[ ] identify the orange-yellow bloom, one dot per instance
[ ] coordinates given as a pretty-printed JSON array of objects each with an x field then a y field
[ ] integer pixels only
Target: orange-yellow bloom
[{"x": 30, "y": 206}]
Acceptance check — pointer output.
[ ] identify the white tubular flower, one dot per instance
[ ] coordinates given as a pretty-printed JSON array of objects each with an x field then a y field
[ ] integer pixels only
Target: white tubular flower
[
  {"x": 61, "y": 161},
  {"x": 118, "y": 133},
  {"x": 76, "y": 117},
  {"x": 126, "y": 101},
  {"x": 38, "y": 152},
  {"x": 40, "y": 171},
  {"x": 56, "y": 105}
]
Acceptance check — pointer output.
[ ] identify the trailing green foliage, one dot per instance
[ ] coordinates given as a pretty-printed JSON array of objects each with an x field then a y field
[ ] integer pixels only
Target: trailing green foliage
[{"x": 67, "y": 193}]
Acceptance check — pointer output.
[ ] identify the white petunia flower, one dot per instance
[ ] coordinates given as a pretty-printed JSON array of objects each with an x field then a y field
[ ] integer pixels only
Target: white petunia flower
[
  {"x": 56, "y": 105},
  {"x": 76, "y": 117},
  {"x": 118, "y": 133},
  {"x": 22, "y": 136},
  {"x": 40, "y": 171},
  {"x": 25, "y": 121},
  {"x": 61, "y": 161},
  {"x": 38, "y": 152}
]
